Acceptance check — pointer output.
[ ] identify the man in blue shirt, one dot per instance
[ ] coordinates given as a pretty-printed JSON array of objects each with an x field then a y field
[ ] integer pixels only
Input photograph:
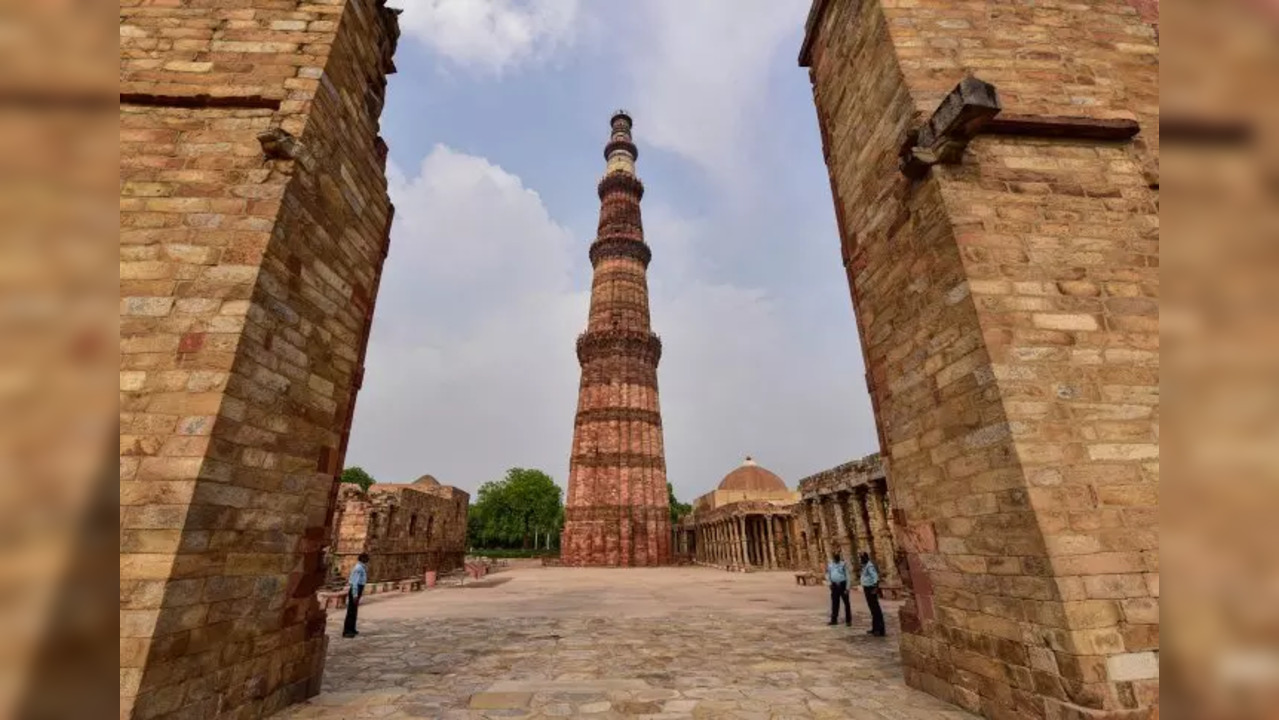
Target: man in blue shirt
[
  {"x": 870, "y": 587},
  {"x": 837, "y": 576},
  {"x": 355, "y": 590}
]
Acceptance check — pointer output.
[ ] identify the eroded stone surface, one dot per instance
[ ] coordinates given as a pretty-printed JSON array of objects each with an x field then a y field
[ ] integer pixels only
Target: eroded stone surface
[{"x": 651, "y": 642}]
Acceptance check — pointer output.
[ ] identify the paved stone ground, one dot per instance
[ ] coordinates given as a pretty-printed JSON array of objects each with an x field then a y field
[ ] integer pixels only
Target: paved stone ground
[{"x": 651, "y": 642}]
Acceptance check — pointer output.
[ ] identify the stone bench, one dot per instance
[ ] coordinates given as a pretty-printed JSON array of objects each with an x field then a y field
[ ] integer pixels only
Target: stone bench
[{"x": 808, "y": 578}]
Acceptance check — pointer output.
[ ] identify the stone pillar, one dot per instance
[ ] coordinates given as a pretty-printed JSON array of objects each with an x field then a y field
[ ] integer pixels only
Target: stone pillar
[
  {"x": 813, "y": 527},
  {"x": 840, "y": 506},
  {"x": 254, "y": 222},
  {"x": 771, "y": 542},
  {"x": 860, "y": 526},
  {"x": 829, "y": 542},
  {"x": 746, "y": 559},
  {"x": 883, "y": 541},
  {"x": 1002, "y": 253}
]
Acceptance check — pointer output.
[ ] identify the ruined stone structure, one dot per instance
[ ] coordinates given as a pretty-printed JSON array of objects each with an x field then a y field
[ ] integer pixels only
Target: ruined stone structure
[
  {"x": 254, "y": 222},
  {"x": 617, "y": 510},
  {"x": 994, "y": 171},
  {"x": 746, "y": 522},
  {"x": 406, "y": 529},
  {"x": 846, "y": 510}
]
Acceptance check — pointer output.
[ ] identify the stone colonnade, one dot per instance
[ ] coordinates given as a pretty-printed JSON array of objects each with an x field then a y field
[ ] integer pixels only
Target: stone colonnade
[
  {"x": 742, "y": 536},
  {"x": 846, "y": 510}
]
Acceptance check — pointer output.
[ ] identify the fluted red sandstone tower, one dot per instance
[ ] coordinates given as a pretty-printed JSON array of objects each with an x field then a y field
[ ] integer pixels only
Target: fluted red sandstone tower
[{"x": 618, "y": 513}]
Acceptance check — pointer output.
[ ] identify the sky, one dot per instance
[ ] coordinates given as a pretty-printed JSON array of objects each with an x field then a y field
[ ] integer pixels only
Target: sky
[{"x": 496, "y": 121}]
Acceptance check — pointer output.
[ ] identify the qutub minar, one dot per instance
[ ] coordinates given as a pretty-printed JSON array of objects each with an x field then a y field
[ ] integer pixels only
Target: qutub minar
[{"x": 617, "y": 511}]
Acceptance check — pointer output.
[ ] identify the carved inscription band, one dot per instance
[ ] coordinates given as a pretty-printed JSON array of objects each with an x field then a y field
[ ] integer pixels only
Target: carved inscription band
[
  {"x": 620, "y": 460},
  {"x": 620, "y": 414}
]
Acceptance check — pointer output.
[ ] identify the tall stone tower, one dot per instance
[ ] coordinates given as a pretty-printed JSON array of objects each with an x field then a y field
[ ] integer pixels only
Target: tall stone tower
[
  {"x": 254, "y": 221},
  {"x": 618, "y": 512}
]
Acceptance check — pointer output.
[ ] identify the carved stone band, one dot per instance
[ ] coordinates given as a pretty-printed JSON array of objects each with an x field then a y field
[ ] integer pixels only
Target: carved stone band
[
  {"x": 619, "y": 414},
  {"x": 595, "y": 513},
  {"x": 619, "y": 460},
  {"x": 618, "y": 343},
  {"x": 615, "y": 246}
]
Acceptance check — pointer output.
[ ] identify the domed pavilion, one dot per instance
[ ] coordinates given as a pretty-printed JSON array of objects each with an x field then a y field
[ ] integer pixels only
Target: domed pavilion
[{"x": 744, "y": 522}]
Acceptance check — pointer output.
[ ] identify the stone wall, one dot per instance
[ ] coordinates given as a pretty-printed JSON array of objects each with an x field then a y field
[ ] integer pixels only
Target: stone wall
[
  {"x": 1006, "y": 292},
  {"x": 253, "y": 227},
  {"x": 405, "y": 529}
]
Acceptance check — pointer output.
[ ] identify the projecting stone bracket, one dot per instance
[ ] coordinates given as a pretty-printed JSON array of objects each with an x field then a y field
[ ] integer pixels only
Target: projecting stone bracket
[
  {"x": 280, "y": 144},
  {"x": 970, "y": 110},
  {"x": 953, "y": 124}
]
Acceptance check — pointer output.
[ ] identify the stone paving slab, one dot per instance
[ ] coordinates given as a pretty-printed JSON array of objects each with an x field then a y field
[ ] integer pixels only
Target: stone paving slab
[{"x": 634, "y": 643}]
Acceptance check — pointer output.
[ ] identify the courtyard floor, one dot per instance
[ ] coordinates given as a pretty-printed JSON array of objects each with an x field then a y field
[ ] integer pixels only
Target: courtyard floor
[{"x": 660, "y": 643}]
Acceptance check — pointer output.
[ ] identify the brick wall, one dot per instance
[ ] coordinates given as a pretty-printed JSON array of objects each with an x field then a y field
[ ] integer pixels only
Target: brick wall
[
  {"x": 1008, "y": 310},
  {"x": 405, "y": 529},
  {"x": 247, "y": 272}
]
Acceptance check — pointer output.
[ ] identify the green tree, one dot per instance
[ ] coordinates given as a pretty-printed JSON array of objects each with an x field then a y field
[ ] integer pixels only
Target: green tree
[
  {"x": 357, "y": 476},
  {"x": 511, "y": 510},
  {"x": 678, "y": 509}
]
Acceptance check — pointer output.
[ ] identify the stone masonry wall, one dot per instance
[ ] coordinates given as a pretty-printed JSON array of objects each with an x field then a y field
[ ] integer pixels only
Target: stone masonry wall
[
  {"x": 1008, "y": 310},
  {"x": 248, "y": 269},
  {"x": 405, "y": 529}
]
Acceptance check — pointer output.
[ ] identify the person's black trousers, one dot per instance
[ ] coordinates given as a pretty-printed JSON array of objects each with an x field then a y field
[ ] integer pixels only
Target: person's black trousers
[
  {"x": 839, "y": 591},
  {"x": 352, "y": 610},
  {"x": 876, "y": 614}
]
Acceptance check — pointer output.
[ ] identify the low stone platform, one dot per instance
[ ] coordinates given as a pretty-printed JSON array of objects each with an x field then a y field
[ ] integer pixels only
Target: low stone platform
[{"x": 674, "y": 642}]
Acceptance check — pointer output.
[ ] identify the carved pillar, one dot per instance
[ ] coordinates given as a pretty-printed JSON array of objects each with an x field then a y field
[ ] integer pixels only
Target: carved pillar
[
  {"x": 844, "y": 539},
  {"x": 882, "y": 533},
  {"x": 829, "y": 542},
  {"x": 772, "y": 542},
  {"x": 814, "y": 534},
  {"x": 741, "y": 538},
  {"x": 858, "y": 511}
]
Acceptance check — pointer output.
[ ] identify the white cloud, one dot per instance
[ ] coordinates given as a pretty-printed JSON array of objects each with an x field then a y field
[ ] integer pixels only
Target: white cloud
[
  {"x": 471, "y": 366},
  {"x": 491, "y": 35},
  {"x": 699, "y": 74}
]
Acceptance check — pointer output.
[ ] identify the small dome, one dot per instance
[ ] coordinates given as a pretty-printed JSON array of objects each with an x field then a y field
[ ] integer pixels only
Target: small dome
[
  {"x": 750, "y": 476},
  {"x": 427, "y": 480}
]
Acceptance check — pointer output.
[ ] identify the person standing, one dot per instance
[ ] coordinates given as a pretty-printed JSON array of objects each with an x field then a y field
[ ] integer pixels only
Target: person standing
[
  {"x": 870, "y": 587},
  {"x": 837, "y": 576},
  {"x": 355, "y": 590}
]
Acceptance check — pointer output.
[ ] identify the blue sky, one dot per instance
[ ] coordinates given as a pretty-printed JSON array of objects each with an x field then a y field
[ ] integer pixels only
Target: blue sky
[{"x": 496, "y": 122}]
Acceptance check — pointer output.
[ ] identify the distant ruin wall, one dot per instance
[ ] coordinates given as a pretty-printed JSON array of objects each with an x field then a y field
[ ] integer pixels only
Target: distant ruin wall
[{"x": 405, "y": 530}]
